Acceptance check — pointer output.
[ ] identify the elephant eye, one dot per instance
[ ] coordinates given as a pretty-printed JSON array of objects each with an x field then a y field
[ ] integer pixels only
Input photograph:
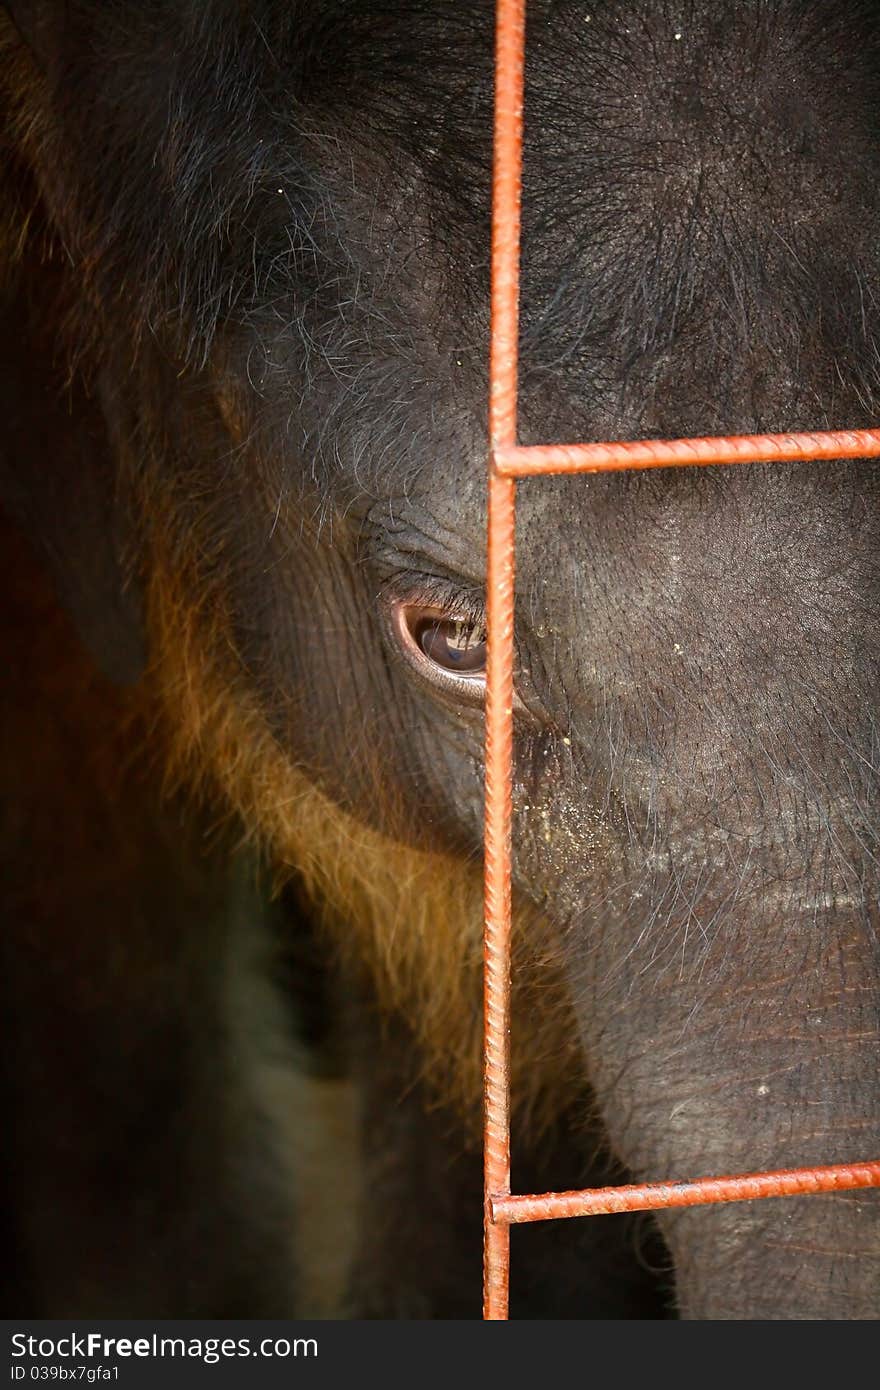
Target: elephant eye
[
  {"x": 444, "y": 642},
  {"x": 454, "y": 644},
  {"x": 446, "y": 646}
]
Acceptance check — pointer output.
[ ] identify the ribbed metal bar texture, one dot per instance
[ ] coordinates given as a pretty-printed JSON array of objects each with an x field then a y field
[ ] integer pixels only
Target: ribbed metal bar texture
[
  {"x": 747, "y": 1187},
  {"x": 533, "y": 460},
  {"x": 510, "y": 39}
]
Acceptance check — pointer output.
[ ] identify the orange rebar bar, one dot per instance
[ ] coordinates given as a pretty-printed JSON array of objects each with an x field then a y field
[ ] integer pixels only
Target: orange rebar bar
[
  {"x": 654, "y": 1196},
  {"x": 527, "y": 461},
  {"x": 507, "y": 462},
  {"x": 510, "y": 41}
]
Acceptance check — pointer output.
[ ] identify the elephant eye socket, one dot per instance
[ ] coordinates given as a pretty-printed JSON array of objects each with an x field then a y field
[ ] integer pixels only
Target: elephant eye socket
[{"x": 446, "y": 646}]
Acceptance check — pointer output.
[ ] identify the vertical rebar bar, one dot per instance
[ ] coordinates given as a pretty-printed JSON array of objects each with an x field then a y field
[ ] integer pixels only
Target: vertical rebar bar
[{"x": 510, "y": 44}]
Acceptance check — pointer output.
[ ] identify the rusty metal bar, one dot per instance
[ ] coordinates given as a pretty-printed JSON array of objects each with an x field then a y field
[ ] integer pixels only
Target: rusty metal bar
[
  {"x": 527, "y": 461},
  {"x": 510, "y": 42},
  {"x": 748, "y": 1187}
]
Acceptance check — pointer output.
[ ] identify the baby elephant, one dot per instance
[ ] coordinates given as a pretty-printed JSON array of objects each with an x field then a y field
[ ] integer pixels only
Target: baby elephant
[{"x": 244, "y": 294}]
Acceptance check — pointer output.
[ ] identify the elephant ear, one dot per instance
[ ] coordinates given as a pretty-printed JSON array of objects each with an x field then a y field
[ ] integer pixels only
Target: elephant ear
[{"x": 59, "y": 484}]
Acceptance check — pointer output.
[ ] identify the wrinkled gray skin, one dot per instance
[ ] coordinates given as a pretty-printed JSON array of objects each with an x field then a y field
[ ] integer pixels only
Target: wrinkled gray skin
[{"x": 697, "y": 651}]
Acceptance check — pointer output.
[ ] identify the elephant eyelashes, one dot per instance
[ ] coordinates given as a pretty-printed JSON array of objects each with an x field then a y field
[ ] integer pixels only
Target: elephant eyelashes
[{"x": 445, "y": 646}]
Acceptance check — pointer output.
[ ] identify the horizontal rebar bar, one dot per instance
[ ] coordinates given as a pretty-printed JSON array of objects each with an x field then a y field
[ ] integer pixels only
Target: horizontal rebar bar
[
  {"x": 532, "y": 460},
  {"x": 511, "y": 1209}
]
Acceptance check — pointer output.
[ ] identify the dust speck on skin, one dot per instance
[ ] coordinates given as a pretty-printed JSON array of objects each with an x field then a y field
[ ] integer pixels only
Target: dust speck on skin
[{"x": 566, "y": 838}]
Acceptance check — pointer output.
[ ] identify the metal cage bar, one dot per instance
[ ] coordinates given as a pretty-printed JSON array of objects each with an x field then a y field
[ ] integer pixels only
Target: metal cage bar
[{"x": 507, "y": 462}]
